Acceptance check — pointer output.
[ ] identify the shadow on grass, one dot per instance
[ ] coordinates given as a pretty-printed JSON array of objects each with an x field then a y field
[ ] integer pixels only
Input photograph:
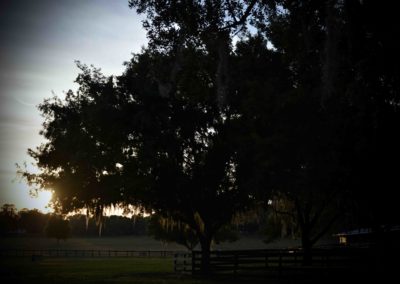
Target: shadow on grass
[{"x": 141, "y": 270}]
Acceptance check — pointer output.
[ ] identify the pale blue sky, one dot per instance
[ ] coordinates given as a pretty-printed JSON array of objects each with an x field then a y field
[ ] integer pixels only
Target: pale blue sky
[{"x": 39, "y": 42}]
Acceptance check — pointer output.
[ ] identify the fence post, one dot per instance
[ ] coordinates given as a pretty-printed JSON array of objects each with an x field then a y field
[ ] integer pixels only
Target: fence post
[
  {"x": 193, "y": 262},
  {"x": 236, "y": 262},
  {"x": 327, "y": 261},
  {"x": 175, "y": 257}
]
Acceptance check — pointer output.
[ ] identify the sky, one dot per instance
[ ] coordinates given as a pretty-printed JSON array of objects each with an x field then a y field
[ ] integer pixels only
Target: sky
[{"x": 39, "y": 43}]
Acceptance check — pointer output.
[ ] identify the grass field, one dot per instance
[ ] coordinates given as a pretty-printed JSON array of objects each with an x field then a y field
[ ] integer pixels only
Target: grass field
[
  {"x": 103, "y": 270},
  {"x": 95, "y": 243},
  {"x": 100, "y": 270},
  {"x": 115, "y": 269},
  {"x": 131, "y": 243}
]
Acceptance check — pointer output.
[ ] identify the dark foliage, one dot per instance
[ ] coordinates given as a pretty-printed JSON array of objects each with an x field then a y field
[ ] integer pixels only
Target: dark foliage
[
  {"x": 299, "y": 115},
  {"x": 57, "y": 228}
]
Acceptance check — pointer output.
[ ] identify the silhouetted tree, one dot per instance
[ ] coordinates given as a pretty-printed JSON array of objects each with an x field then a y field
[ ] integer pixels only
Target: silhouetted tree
[
  {"x": 301, "y": 146},
  {"x": 81, "y": 157},
  {"x": 113, "y": 225},
  {"x": 193, "y": 41},
  {"x": 164, "y": 230},
  {"x": 57, "y": 228},
  {"x": 8, "y": 218},
  {"x": 121, "y": 225},
  {"x": 373, "y": 87},
  {"x": 168, "y": 230},
  {"x": 335, "y": 122},
  {"x": 32, "y": 221},
  {"x": 226, "y": 233},
  {"x": 81, "y": 226},
  {"x": 198, "y": 129},
  {"x": 167, "y": 141}
]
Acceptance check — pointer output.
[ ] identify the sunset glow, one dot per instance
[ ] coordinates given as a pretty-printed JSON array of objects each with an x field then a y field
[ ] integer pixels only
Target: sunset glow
[{"x": 40, "y": 41}]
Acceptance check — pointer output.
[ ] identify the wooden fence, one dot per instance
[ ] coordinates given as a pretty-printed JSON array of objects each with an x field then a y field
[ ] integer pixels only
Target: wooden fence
[
  {"x": 83, "y": 253},
  {"x": 275, "y": 261}
]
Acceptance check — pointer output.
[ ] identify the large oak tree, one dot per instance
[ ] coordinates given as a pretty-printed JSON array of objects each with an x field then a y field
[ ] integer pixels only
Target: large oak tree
[{"x": 197, "y": 127}]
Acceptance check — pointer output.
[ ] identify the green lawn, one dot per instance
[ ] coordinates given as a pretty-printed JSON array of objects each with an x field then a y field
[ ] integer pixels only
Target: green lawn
[
  {"x": 131, "y": 243},
  {"x": 87, "y": 270},
  {"x": 108, "y": 270},
  {"x": 94, "y": 243},
  {"x": 96, "y": 270}
]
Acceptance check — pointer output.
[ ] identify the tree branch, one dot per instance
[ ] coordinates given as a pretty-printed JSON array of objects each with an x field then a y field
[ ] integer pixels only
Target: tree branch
[
  {"x": 300, "y": 215},
  {"x": 231, "y": 11},
  {"x": 324, "y": 204},
  {"x": 325, "y": 229},
  {"x": 243, "y": 19},
  {"x": 287, "y": 213}
]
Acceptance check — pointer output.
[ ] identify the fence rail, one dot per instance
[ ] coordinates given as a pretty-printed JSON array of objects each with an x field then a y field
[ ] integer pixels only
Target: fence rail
[
  {"x": 276, "y": 261},
  {"x": 36, "y": 253}
]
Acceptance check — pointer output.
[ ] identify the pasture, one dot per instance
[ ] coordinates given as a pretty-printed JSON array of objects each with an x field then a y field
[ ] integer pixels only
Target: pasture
[
  {"x": 101, "y": 270},
  {"x": 120, "y": 269},
  {"x": 132, "y": 243}
]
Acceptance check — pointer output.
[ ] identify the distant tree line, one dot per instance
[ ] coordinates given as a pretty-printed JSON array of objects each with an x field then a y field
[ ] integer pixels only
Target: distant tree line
[
  {"x": 34, "y": 223},
  {"x": 27, "y": 222},
  {"x": 113, "y": 226}
]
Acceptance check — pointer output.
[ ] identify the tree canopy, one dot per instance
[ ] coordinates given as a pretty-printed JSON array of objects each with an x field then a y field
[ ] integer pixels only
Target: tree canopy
[
  {"x": 57, "y": 228},
  {"x": 8, "y": 219},
  {"x": 235, "y": 103}
]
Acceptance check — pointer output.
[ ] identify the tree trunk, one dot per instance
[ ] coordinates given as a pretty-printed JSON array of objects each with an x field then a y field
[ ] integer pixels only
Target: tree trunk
[
  {"x": 205, "y": 243},
  {"x": 306, "y": 244}
]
